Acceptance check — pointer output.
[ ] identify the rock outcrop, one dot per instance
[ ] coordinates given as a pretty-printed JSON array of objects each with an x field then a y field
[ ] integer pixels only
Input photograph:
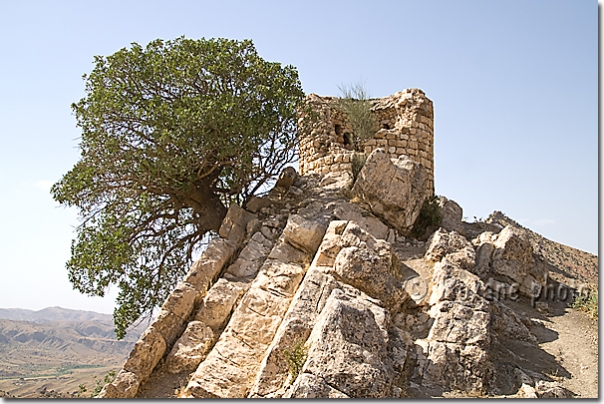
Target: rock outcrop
[
  {"x": 373, "y": 313},
  {"x": 394, "y": 189}
]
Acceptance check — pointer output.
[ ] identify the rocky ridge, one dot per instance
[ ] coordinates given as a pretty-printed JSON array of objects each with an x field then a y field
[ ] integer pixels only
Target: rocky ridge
[{"x": 321, "y": 264}]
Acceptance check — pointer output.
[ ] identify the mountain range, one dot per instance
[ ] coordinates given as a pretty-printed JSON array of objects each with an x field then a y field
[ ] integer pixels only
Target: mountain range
[{"x": 56, "y": 343}]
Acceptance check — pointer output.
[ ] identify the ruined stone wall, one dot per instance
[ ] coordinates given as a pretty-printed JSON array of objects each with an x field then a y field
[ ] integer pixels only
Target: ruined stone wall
[{"x": 405, "y": 127}]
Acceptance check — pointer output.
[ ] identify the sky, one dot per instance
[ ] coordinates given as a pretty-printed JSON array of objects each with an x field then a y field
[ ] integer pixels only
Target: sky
[{"x": 514, "y": 85}]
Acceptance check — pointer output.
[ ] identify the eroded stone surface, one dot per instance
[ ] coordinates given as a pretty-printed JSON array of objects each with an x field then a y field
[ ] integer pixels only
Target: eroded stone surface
[
  {"x": 513, "y": 257},
  {"x": 452, "y": 215},
  {"x": 348, "y": 347},
  {"x": 234, "y": 224},
  {"x": 251, "y": 257},
  {"x": 367, "y": 264},
  {"x": 303, "y": 233},
  {"x": 395, "y": 189},
  {"x": 191, "y": 348},
  {"x": 310, "y": 386},
  {"x": 125, "y": 385},
  {"x": 252, "y": 327}
]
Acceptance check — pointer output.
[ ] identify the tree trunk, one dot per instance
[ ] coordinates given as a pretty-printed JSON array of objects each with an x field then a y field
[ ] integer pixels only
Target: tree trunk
[{"x": 208, "y": 207}]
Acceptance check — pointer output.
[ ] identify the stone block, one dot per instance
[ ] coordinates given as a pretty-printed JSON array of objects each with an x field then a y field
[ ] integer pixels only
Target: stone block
[
  {"x": 190, "y": 349},
  {"x": 234, "y": 224},
  {"x": 255, "y": 204},
  {"x": 310, "y": 386},
  {"x": 303, "y": 233},
  {"x": 219, "y": 302},
  {"x": 125, "y": 385},
  {"x": 352, "y": 359},
  {"x": 395, "y": 190},
  {"x": 208, "y": 266},
  {"x": 251, "y": 257},
  {"x": 145, "y": 354}
]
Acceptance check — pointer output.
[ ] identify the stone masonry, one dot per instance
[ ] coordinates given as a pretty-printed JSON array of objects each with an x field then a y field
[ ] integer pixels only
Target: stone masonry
[{"x": 405, "y": 127}]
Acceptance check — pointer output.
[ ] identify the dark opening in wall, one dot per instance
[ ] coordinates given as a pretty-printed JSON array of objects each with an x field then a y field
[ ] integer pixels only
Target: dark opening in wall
[
  {"x": 338, "y": 129},
  {"x": 385, "y": 126}
]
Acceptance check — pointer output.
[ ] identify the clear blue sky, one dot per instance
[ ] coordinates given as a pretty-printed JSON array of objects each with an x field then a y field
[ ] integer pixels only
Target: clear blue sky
[{"x": 514, "y": 85}]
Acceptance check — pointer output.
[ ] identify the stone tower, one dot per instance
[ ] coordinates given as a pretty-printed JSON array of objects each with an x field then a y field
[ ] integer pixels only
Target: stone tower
[{"x": 405, "y": 127}]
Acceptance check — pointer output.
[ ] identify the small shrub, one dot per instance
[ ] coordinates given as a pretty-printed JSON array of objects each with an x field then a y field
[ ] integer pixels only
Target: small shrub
[
  {"x": 295, "y": 357},
  {"x": 81, "y": 390},
  {"x": 357, "y": 107},
  {"x": 429, "y": 218},
  {"x": 109, "y": 378},
  {"x": 357, "y": 163},
  {"x": 587, "y": 303}
]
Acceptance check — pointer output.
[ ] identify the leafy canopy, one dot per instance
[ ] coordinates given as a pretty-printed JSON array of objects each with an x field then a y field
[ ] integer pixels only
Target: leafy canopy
[{"x": 171, "y": 135}]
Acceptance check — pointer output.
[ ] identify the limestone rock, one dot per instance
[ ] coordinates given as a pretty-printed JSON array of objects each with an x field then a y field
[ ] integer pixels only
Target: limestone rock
[
  {"x": 286, "y": 178},
  {"x": 513, "y": 257},
  {"x": 452, "y": 215},
  {"x": 308, "y": 385},
  {"x": 337, "y": 180},
  {"x": 460, "y": 324},
  {"x": 209, "y": 265},
  {"x": 269, "y": 233},
  {"x": 367, "y": 264},
  {"x": 303, "y": 233},
  {"x": 171, "y": 319},
  {"x": 251, "y": 257},
  {"x": 219, "y": 302},
  {"x": 191, "y": 348},
  {"x": 368, "y": 222},
  {"x": 301, "y": 316},
  {"x": 331, "y": 245},
  {"x": 125, "y": 385},
  {"x": 234, "y": 224},
  {"x": 451, "y": 283},
  {"x": 508, "y": 324},
  {"x": 395, "y": 190},
  {"x": 457, "y": 344},
  {"x": 551, "y": 390},
  {"x": 484, "y": 254},
  {"x": 348, "y": 347},
  {"x": 297, "y": 325},
  {"x": 458, "y": 250},
  {"x": 229, "y": 369},
  {"x": 456, "y": 366},
  {"x": 146, "y": 353},
  {"x": 254, "y": 204}
]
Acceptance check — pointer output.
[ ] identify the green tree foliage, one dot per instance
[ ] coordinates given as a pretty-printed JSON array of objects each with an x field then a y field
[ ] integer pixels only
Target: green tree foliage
[
  {"x": 354, "y": 102},
  {"x": 171, "y": 135}
]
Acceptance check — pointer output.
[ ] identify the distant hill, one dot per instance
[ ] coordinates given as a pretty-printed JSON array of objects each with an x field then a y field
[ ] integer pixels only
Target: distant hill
[
  {"x": 56, "y": 341},
  {"x": 567, "y": 261},
  {"x": 54, "y": 314}
]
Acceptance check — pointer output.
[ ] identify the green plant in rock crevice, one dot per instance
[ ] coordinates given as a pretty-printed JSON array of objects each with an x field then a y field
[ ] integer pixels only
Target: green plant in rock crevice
[
  {"x": 429, "y": 217},
  {"x": 357, "y": 107},
  {"x": 357, "y": 162},
  {"x": 295, "y": 357}
]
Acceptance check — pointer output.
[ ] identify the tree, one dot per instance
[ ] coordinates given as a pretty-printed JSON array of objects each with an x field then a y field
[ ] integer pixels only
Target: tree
[{"x": 171, "y": 135}]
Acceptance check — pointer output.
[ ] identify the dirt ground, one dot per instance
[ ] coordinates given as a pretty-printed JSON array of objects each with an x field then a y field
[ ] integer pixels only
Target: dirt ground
[
  {"x": 56, "y": 386},
  {"x": 569, "y": 339},
  {"x": 576, "y": 348}
]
